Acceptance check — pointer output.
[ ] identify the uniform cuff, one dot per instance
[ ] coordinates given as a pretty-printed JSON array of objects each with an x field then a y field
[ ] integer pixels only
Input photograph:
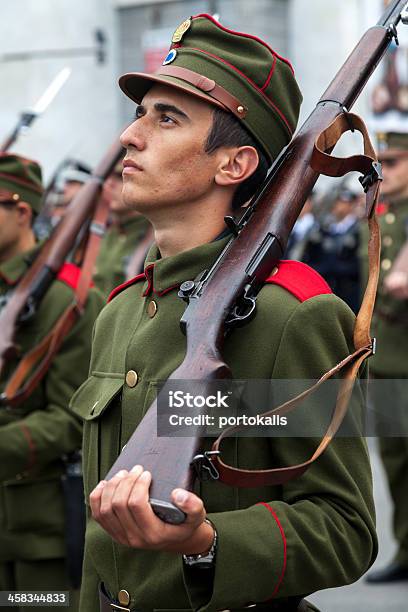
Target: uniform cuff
[{"x": 251, "y": 542}]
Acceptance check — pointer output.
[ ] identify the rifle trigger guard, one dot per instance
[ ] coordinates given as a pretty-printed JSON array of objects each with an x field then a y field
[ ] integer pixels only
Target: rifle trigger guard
[
  {"x": 204, "y": 467},
  {"x": 244, "y": 310}
]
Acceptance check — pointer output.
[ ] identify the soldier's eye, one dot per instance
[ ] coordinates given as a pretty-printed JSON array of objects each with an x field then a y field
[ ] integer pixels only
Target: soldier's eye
[
  {"x": 140, "y": 111},
  {"x": 167, "y": 119}
]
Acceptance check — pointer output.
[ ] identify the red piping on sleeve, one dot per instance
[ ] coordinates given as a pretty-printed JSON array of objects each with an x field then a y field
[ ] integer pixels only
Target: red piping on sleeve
[
  {"x": 31, "y": 446},
  {"x": 282, "y": 574}
]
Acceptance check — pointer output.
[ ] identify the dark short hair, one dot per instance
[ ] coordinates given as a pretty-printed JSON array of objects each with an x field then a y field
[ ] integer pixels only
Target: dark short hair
[{"x": 227, "y": 131}]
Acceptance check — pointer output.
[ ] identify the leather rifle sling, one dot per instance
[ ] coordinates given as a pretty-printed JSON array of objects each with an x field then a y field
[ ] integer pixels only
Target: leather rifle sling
[
  {"x": 37, "y": 361},
  {"x": 329, "y": 165}
]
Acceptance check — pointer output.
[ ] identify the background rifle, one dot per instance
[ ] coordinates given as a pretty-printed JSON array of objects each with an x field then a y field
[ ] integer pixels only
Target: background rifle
[
  {"x": 226, "y": 294},
  {"x": 27, "y": 117},
  {"x": 36, "y": 281}
]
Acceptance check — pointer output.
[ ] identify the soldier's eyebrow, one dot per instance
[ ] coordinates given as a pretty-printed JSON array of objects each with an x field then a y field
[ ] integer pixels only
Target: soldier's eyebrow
[{"x": 161, "y": 107}]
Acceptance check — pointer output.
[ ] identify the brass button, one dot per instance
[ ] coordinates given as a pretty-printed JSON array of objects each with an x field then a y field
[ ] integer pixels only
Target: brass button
[
  {"x": 123, "y": 598},
  {"x": 132, "y": 378},
  {"x": 387, "y": 241},
  {"x": 152, "y": 309},
  {"x": 390, "y": 218},
  {"x": 386, "y": 264},
  {"x": 240, "y": 109},
  {"x": 275, "y": 271}
]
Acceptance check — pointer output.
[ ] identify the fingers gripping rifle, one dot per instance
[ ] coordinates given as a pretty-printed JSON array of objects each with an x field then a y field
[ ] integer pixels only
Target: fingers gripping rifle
[
  {"x": 33, "y": 286},
  {"x": 226, "y": 295}
]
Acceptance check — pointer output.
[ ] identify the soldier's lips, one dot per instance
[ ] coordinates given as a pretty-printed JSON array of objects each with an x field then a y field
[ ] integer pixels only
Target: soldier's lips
[{"x": 130, "y": 167}]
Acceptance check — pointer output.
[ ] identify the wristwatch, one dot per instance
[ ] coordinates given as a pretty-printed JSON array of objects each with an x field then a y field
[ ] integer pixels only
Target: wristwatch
[{"x": 203, "y": 561}]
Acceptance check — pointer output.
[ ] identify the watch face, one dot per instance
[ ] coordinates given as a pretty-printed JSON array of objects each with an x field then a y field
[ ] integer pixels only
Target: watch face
[{"x": 200, "y": 562}]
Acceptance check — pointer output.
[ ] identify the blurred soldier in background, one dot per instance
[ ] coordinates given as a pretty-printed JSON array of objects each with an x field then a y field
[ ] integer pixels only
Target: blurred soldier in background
[
  {"x": 298, "y": 237},
  {"x": 332, "y": 247},
  {"x": 390, "y": 327},
  {"x": 38, "y": 435},
  {"x": 67, "y": 184},
  {"x": 128, "y": 231}
]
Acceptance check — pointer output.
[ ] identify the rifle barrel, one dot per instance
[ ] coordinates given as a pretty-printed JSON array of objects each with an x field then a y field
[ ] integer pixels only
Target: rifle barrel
[{"x": 392, "y": 14}]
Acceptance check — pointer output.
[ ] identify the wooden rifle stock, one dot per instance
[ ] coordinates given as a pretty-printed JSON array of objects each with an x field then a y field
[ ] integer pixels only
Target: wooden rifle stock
[
  {"x": 48, "y": 262},
  {"x": 217, "y": 300}
]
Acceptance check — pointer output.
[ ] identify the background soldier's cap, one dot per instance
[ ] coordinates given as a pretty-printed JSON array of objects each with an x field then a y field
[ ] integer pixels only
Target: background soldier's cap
[
  {"x": 392, "y": 144},
  {"x": 21, "y": 180},
  {"x": 237, "y": 72}
]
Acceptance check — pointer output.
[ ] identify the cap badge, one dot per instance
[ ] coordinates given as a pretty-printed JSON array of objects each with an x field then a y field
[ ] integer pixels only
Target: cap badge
[
  {"x": 181, "y": 30},
  {"x": 382, "y": 142},
  {"x": 170, "y": 57}
]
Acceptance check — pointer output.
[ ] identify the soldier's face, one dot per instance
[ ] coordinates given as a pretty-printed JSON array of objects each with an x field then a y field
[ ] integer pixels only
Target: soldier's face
[
  {"x": 395, "y": 177},
  {"x": 9, "y": 231},
  {"x": 166, "y": 163}
]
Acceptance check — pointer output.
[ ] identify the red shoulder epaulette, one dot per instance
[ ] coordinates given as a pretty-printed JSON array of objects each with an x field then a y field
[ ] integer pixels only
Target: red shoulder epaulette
[
  {"x": 128, "y": 283},
  {"x": 382, "y": 209},
  {"x": 296, "y": 277},
  {"x": 69, "y": 274},
  {"x": 299, "y": 279}
]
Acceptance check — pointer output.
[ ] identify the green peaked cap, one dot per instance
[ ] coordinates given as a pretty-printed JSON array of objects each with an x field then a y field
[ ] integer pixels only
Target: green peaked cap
[
  {"x": 391, "y": 142},
  {"x": 21, "y": 180},
  {"x": 237, "y": 72}
]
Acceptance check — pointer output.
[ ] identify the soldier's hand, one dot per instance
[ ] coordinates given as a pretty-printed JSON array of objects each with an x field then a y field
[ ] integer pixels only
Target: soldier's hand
[
  {"x": 396, "y": 284},
  {"x": 121, "y": 506}
]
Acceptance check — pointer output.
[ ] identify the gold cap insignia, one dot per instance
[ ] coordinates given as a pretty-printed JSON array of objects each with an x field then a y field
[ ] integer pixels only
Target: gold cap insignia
[
  {"x": 382, "y": 141},
  {"x": 181, "y": 30}
]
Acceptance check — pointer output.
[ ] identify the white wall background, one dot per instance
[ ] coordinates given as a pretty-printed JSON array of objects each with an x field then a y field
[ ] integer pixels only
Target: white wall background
[
  {"x": 88, "y": 112},
  {"x": 83, "y": 119}
]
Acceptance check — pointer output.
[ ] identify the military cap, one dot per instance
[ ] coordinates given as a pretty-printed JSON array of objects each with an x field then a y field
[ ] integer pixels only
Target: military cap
[
  {"x": 20, "y": 180},
  {"x": 392, "y": 144},
  {"x": 346, "y": 195},
  {"x": 234, "y": 71}
]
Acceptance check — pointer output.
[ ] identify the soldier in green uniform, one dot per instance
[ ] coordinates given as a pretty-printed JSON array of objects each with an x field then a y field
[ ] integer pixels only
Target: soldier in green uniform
[
  {"x": 208, "y": 126},
  {"x": 127, "y": 230},
  {"x": 390, "y": 327},
  {"x": 35, "y": 435}
]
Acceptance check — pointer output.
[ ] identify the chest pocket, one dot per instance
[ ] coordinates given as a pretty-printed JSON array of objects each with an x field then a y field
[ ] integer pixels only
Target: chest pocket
[{"x": 98, "y": 403}]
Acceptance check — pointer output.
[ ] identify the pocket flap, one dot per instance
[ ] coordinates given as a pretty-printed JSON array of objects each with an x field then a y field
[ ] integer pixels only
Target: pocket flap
[{"x": 94, "y": 395}]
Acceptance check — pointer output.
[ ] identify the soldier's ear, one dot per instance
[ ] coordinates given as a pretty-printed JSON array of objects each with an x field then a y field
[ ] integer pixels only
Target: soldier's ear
[
  {"x": 236, "y": 165},
  {"x": 24, "y": 214}
]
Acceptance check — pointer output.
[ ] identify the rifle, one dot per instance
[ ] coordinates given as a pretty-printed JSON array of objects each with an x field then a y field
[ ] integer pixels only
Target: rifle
[
  {"x": 25, "y": 299},
  {"x": 226, "y": 294},
  {"x": 27, "y": 117}
]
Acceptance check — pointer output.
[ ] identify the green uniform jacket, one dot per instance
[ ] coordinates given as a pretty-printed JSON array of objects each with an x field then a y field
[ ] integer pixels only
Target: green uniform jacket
[
  {"x": 390, "y": 321},
  {"x": 34, "y": 435},
  {"x": 116, "y": 251},
  {"x": 313, "y": 533}
]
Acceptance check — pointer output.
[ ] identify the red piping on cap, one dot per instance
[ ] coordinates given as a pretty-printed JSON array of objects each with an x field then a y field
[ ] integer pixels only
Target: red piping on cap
[
  {"x": 21, "y": 181},
  {"x": 281, "y": 115},
  {"x": 211, "y": 18}
]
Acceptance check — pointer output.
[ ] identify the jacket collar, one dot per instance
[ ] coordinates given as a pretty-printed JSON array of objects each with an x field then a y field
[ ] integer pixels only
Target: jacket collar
[{"x": 164, "y": 275}]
